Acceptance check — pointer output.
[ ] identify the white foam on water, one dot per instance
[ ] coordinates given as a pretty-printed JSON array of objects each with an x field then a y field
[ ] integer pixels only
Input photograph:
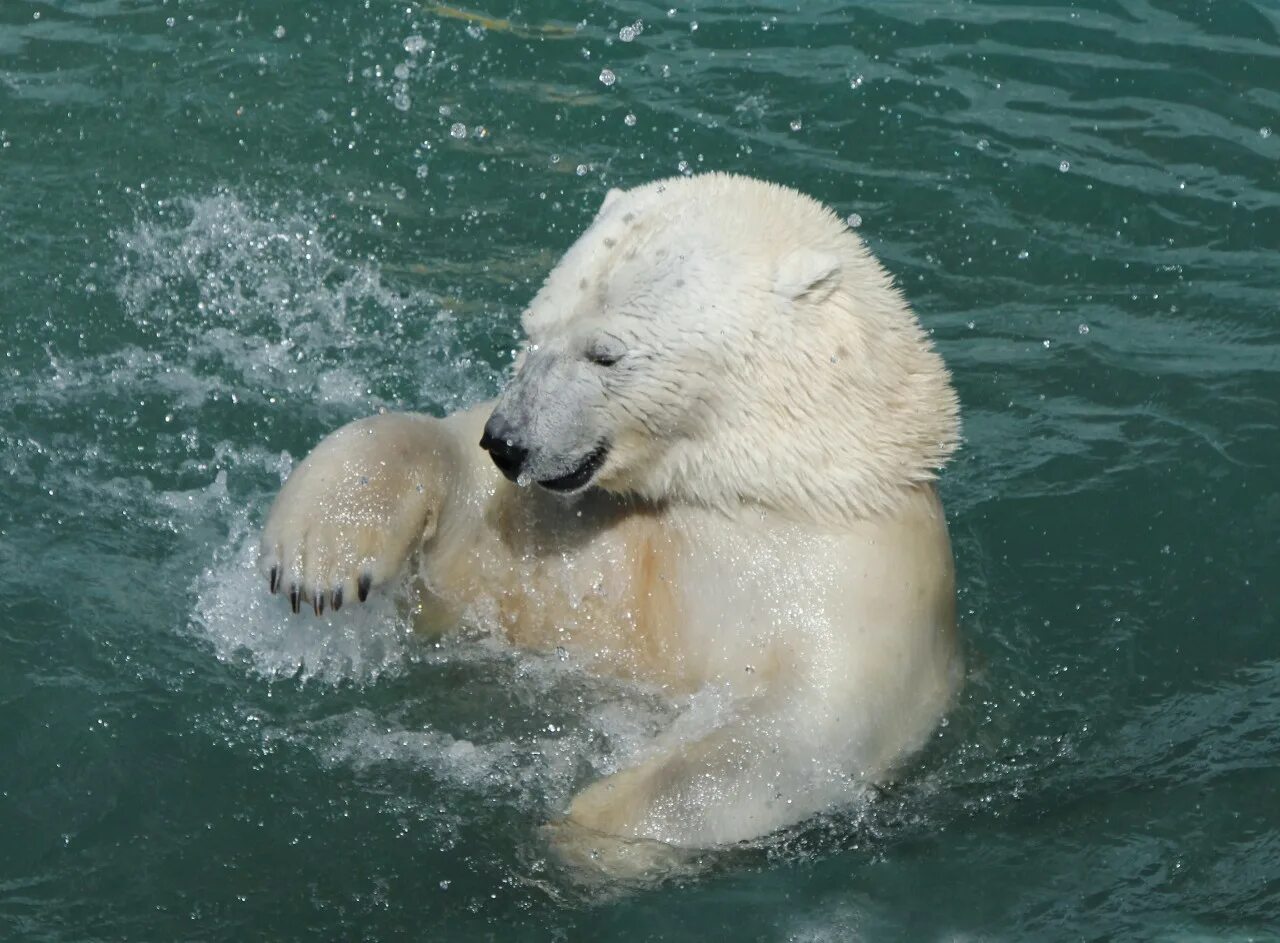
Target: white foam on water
[
  {"x": 579, "y": 729},
  {"x": 532, "y": 773}
]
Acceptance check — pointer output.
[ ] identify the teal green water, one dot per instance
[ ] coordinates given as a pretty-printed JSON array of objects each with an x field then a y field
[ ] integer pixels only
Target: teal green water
[{"x": 227, "y": 227}]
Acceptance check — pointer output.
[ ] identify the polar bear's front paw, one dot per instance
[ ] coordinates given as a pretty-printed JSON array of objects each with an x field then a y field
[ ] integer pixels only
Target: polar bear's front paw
[
  {"x": 353, "y": 512},
  {"x": 322, "y": 562}
]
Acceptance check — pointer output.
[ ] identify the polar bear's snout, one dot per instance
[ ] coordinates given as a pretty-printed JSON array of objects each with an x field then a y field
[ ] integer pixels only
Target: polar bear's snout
[
  {"x": 548, "y": 427},
  {"x": 500, "y": 442},
  {"x": 562, "y": 473}
]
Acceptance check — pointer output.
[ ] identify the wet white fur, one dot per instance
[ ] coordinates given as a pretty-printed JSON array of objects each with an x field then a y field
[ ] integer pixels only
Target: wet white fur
[{"x": 765, "y": 522}]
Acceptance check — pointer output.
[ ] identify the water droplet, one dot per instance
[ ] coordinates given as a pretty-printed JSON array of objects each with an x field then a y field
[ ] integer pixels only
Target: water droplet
[
  {"x": 1024, "y": 254},
  {"x": 414, "y": 44},
  {"x": 1264, "y": 132},
  {"x": 1083, "y": 329},
  {"x": 607, "y": 77},
  {"x": 796, "y": 124},
  {"x": 581, "y": 170},
  {"x": 629, "y": 33},
  {"x": 279, "y": 32},
  {"x": 854, "y": 220},
  {"x": 1064, "y": 166},
  {"x": 523, "y": 480},
  {"x": 856, "y": 82},
  {"x": 458, "y": 130},
  {"x": 683, "y": 167},
  {"x": 693, "y": 26},
  {"x": 1046, "y": 344},
  {"x": 983, "y": 144},
  {"x": 629, "y": 120}
]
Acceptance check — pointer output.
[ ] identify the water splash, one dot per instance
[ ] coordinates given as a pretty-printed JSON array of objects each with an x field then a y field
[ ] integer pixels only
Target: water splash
[
  {"x": 250, "y": 628},
  {"x": 223, "y": 286}
]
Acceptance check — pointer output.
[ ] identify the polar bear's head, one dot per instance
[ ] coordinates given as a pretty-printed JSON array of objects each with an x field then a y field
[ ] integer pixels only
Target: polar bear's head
[{"x": 720, "y": 340}]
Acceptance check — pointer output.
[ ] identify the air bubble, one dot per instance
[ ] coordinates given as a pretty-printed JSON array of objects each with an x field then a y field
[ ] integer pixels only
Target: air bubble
[
  {"x": 607, "y": 77},
  {"x": 629, "y": 120},
  {"x": 1064, "y": 166},
  {"x": 458, "y": 130},
  {"x": 414, "y": 44},
  {"x": 854, "y": 220},
  {"x": 1083, "y": 329},
  {"x": 796, "y": 124},
  {"x": 629, "y": 33},
  {"x": 1264, "y": 133}
]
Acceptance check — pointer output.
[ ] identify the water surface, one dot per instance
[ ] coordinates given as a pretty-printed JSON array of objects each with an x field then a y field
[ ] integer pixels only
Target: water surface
[{"x": 228, "y": 227}]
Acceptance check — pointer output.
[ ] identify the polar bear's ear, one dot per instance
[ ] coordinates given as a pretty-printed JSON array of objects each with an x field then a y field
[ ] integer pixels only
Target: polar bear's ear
[
  {"x": 610, "y": 198},
  {"x": 807, "y": 274}
]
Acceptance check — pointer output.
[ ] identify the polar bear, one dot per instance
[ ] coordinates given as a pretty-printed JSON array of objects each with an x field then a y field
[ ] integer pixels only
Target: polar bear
[{"x": 714, "y": 464}]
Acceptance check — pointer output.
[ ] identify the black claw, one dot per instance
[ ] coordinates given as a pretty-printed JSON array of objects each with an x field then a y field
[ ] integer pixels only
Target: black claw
[
  {"x": 317, "y": 600},
  {"x": 275, "y": 578},
  {"x": 337, "y": 599},
  {"x": 293, "y": 596},
  {"x": 362, "y": 586}
]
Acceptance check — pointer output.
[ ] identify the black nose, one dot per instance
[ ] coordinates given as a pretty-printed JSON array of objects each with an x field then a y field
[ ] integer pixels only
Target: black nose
[{"x": 502, "y": 448}]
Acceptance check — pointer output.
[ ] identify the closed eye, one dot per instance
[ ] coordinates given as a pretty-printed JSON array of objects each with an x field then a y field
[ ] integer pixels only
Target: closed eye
[
  {"x": 605, "y": 352},
  {"x": 603, "y": 358}
]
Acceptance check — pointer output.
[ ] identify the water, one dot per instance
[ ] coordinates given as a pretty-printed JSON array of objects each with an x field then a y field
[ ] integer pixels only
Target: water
[{"x": 228, "y": 227}]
